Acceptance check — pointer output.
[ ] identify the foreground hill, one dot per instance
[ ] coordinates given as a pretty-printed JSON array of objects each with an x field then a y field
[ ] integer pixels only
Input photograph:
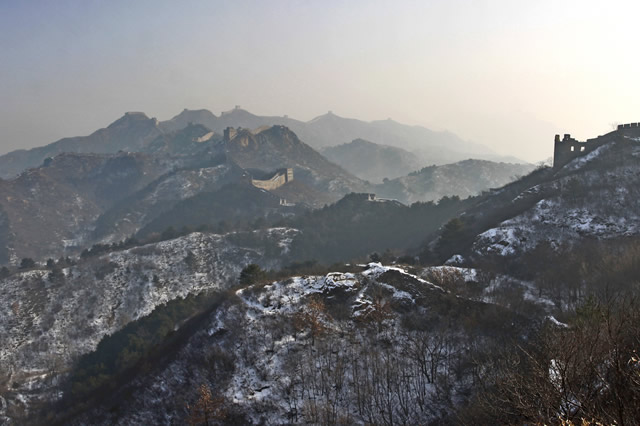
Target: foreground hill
[
  {"x": 465, "y": 178},
  {"x": 300, "y": 351},
  {"x": 57, "y": 313}
]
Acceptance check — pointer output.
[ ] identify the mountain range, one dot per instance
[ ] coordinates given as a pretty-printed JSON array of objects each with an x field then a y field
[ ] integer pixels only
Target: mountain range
[
  {"x": 74, "y": 200},
  {"x": 135, "y": 132},
  {"x": 330, "y": 130},
  {"x": 142, "y": 176}
]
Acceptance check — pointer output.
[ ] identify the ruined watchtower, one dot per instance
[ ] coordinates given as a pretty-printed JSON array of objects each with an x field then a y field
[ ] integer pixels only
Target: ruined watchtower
[{"x": 567, "y": 148}]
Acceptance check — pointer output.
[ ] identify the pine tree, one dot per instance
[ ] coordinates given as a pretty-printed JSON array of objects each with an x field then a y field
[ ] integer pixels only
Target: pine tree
[{"x": 252, "y": 274}]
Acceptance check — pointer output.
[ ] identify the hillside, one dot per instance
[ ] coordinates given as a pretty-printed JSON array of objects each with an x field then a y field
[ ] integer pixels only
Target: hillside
[
  {"x": 53, "y": 207},
  {"x": 371, "y": 161},
  {"x": 142, "y": 207},
  {"x": 552, "y": 233},
  {"x": 186, "y": 117},
  {"x": 463, "y": 179},
  {"x": 193, "y": 139},
  {"x": 354, "y": 227},
  {"x": 591, "y": 197},
  {"x": 82, "y": 199},
  {"x": 276, "y": 147},
  {"x": 260, "y": 352},
  {"x": 59, "y": 313},
  {"x": 233, "y": 204}
]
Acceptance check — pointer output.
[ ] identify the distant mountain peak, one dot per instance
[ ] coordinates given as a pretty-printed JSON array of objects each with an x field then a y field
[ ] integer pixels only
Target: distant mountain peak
[
  {"x": 131, "y": 117},
  {"x": 278, "y": 130},
  {"x": 328, "y": 116},
  {"x": 201, "y": 111},
  {"x": 237, "y": 111},
  {"x": 136, "y": 114},
  {"x": 362, "y": 142},
  {"x": 187, "y": 116}
]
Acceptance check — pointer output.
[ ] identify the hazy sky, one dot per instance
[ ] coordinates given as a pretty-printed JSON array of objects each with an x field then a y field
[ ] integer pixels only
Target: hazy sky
[{"x": 508, "y": 74}]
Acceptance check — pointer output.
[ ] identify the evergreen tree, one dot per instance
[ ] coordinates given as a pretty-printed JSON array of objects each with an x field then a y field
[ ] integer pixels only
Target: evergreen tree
[
  {"x": 27, "y": 263},
  {"x": 252, "y": 274}
]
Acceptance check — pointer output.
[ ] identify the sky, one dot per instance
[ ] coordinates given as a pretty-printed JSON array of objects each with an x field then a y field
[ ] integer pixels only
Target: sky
[{"x": 507, "y": 74}]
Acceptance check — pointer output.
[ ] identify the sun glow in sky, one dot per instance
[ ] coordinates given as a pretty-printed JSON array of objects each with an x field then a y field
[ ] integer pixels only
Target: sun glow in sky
[{"x": 507, "y": 74}]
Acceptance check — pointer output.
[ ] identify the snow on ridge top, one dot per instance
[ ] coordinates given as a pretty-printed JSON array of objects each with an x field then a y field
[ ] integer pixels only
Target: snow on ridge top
[
  {"x": 469, "y": 274},
  {"x": 295, "y": 288},
  {"x": 287, "y": 296},
  {"x": 339, "y": 279},
  {"x": 375, "y": 269},
  {"x": 282, "y": 232}
]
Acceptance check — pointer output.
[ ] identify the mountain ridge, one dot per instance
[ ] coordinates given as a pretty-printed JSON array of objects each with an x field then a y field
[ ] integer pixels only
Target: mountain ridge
[
  {"x": 134, "y": 130},
  {"x": 128, "y": 133},
  {"x": 371, "y": 161}
]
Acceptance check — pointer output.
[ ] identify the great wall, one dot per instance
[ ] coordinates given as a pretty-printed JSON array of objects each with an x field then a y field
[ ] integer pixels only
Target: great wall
[
  {"x": 279, "y": 178},
  {"x": 568, "y": 148}
]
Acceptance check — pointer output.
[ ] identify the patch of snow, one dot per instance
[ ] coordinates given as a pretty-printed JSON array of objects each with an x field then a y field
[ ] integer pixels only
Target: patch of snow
[
  {"x": 555, "y": 322},
  {"x": 456, "y": 259}
]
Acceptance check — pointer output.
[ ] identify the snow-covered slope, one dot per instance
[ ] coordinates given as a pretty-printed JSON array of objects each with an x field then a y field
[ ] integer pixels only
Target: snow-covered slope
[
  {"x": 356, "y": 348},
  {"x": 130, "y": 215},
  {"x": 47, "y": 321},
  {"x": 594, "y": 197}
]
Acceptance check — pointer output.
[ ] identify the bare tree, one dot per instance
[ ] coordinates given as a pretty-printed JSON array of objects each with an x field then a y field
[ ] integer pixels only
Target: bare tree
[{"x": 207, "y": 409}]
